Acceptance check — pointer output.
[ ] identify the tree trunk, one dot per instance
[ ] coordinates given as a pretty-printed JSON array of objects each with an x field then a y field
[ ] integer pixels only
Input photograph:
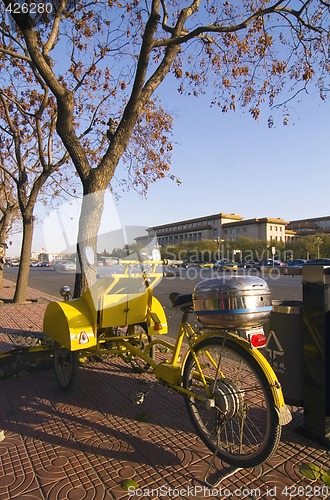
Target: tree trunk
[
  {"x": 2, "y": 257},
  {"x": 24, "y": 267},
  {"x": 5, "y": 225},
  {"x": 1, "y": 275},
  {"x": 89, "y": 223}
]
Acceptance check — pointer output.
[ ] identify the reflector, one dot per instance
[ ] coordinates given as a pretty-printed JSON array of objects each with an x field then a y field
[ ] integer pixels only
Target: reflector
[{"x": 258, "y": 340}]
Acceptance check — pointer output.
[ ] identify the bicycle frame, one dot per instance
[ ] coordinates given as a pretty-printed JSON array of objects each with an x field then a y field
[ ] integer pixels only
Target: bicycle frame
[{"x": 170, "y": 371}]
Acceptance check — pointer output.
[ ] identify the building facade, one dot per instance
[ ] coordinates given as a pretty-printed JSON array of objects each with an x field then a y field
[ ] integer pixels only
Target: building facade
[
  {"x": 201, "y": 228},
  {"x": 266, "y": 228},
  {"x": 230, "y": 227},
  {"x": 303, "y": 227},
  {"x": 220, "y": 227}
]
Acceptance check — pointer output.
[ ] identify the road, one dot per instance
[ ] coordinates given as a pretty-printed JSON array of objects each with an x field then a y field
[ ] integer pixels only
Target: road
[{"x": 50, "y": 282}]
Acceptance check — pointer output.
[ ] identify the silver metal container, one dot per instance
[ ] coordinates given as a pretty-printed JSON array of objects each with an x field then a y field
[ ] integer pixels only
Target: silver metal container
[{"x": 232, "y": 302}]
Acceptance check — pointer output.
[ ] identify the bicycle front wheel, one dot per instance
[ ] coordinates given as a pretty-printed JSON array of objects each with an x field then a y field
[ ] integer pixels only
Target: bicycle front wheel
[{"x": 232, "y": 409}]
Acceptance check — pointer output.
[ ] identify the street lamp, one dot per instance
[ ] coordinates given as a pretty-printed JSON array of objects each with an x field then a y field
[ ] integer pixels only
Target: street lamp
[
  {"x": 219, "y": 241},
  {"x": 318, "y": 243}
]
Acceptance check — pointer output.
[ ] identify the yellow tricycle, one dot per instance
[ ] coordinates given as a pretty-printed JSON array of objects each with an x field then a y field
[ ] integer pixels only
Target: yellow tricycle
[{"x": 232, "y": 395}]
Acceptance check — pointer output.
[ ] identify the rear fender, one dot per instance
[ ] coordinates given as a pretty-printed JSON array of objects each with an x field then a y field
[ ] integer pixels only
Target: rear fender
[
  {"x": 72, "y": 323},
  {"x": 156, "y": 317}
]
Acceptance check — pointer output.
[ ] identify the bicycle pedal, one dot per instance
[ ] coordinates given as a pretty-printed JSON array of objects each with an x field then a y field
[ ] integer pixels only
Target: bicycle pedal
[
  {"x": 136, "y": 398},
  {"x": 139, "y": 398}
]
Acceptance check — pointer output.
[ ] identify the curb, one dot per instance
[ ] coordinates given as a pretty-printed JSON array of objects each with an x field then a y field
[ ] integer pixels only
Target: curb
[{"x": 23, "y": 360}]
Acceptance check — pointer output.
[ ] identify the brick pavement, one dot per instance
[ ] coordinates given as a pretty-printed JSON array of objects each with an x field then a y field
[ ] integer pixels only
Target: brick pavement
[{"x": 85, "y": 443}]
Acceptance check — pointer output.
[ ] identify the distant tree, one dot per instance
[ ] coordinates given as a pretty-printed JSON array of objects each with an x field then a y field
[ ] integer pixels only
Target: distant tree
[
  {"x": 317, "y": 245},
  {"x": 30, "y": 153},
  {"x": 9, "y": 211},
  {"x": 9, "y": 208},
  {"x": 129, "y": 249},
  {"x": 325, "y": 248},
  {"x": 109, "y": 58},
  {"x": 297, "y": 248}
]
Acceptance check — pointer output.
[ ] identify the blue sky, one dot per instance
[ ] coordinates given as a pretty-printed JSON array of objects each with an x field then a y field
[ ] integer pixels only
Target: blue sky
[{"x": 233, "y": 164}]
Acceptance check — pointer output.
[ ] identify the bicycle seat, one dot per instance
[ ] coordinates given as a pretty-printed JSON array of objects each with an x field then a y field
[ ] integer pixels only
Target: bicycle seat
[{"x": 182, "y": 300}]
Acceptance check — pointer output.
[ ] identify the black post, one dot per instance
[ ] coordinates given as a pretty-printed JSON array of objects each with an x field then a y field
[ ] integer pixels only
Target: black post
[{"x": 316, "y": 316}]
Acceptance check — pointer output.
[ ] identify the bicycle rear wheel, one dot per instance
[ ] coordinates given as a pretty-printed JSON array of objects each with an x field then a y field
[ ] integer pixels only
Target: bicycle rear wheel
[{"x": 243, "y": 424}]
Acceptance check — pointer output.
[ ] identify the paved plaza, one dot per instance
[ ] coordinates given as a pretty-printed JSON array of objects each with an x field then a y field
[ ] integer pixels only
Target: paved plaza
[{"x": 86, "y": 444}]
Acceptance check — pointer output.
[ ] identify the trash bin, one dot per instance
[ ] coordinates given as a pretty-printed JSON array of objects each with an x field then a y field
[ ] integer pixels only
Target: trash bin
[{"x": 285, "y": 348}]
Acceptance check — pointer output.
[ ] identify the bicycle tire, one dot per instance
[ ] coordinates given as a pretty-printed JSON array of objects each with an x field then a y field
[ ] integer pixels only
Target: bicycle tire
[
  {"x": 243, "y": 425},
  {"x": 65, "y": 366}
]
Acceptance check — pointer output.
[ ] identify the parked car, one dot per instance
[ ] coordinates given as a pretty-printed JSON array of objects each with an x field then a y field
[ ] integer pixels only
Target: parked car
[
  {"x": 271, "y": 263},
  {"x": 222, "y": 265},
  {"x": 12, "y": 262},
  {"x": 296, "y": 262},
  {"x": 186, "y": 263},
  {"x": 205, "y": 264},
  {"x": 109, "y": 261},
  {"x": 247, "y": 264},
  {"x": 230, "y": 266},
  {"x": 218, "y": 265},
  {"x": 64, "y": 265},
  {"x": 318, "y": 262}
]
